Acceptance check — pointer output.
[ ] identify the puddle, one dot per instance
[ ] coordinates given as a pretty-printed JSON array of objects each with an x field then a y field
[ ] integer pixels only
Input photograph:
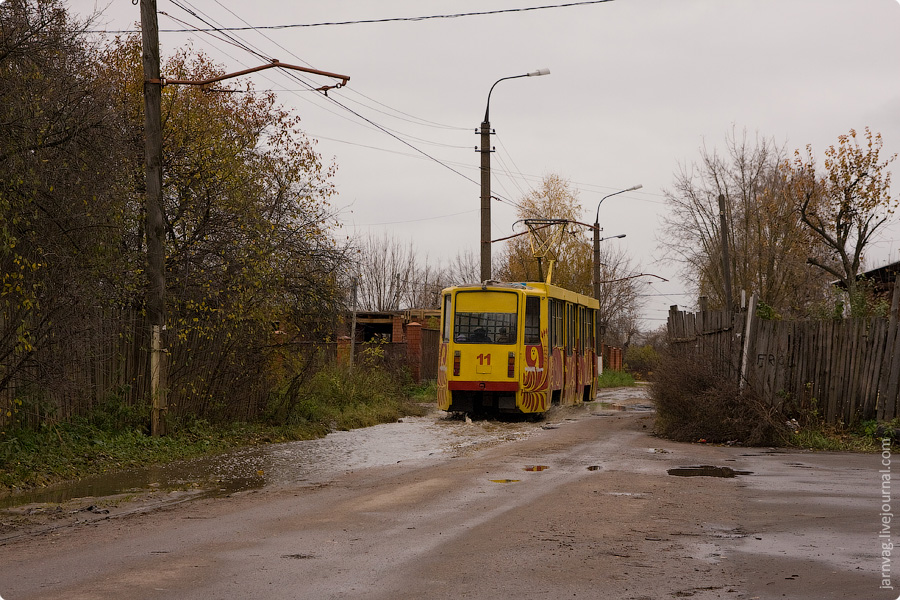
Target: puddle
[
  {"x": 505, "y": 480},
  {"x": 536, "y": 468},
  {"x": 177, "y": 476},
  {"x": 594, "y": 468},
  {"x": 615, "y": 406},
  {"x": 309, "y": 462},
  {"x": 706, "y": 471}
]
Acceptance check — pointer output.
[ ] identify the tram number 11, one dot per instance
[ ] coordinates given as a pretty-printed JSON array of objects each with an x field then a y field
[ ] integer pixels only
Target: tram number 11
[{"x": 484, "y": 359}]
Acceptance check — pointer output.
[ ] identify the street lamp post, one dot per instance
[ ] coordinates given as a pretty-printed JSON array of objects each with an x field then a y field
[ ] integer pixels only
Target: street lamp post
[
  {"x": 486, "y": 177},
  {"x": 598, "y": 327}
]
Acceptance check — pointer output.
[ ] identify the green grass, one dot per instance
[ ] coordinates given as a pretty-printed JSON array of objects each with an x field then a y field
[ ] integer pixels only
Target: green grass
[
  {"x": 52, "y": 453},
  {"x": 611, "y": 379},
  {"x": 114, "y": 436},
  {"x": 864, "y": 437}
]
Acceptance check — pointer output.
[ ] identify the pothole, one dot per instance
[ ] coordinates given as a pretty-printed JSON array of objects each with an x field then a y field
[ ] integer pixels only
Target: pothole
[{"x": 706, "y": 471}]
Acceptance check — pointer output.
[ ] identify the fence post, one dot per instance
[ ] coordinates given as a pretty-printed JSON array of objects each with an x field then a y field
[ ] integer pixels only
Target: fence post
[
  {"x": 745, "y": 351},
  {"x": 159, "y": 406},
  {"x": 889, "y": 389},
  {"x": 344, "y": 349}
]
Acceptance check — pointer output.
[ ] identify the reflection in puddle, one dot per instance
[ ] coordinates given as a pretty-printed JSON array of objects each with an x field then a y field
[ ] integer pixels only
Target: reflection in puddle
[
  {"x": 706, "y": 471},
  {"x": 594, "y": 468},
  {"x": 225, "y": 474},
  {"x": 310, "y": 462},
  {"x": 536, "y": 468}
]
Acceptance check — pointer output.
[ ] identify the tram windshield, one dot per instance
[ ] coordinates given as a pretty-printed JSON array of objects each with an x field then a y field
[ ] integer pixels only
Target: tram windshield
[{"x": 485, "y": 318}]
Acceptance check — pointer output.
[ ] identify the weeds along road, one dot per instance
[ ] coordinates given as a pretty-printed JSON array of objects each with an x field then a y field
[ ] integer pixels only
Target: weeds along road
[{"x": 603, "y": 520}]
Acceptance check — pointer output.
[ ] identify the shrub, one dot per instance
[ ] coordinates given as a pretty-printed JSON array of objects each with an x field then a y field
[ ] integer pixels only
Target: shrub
[
  {"x": 343, "y": 398},
  {"x": 641, "y": 360},
  {"x": 694, "y": 401}
]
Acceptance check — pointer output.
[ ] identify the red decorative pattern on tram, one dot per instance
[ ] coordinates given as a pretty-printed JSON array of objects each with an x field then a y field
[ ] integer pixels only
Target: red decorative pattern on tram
[
  {"x": 443, "y": 394},
  {"x": 556, "y": 369},
  {"x": 570, "y": 393},
  {"x": 534, "y": 380}
]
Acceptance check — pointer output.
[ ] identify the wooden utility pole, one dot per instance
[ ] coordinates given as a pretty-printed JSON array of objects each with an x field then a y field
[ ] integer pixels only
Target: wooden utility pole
[
  {"x": 726, "y": 261},
  {"x": 153, "y": 204}
]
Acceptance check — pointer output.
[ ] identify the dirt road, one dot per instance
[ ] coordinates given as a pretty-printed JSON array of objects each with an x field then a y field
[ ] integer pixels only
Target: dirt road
[{"x": 480, "y": 521}]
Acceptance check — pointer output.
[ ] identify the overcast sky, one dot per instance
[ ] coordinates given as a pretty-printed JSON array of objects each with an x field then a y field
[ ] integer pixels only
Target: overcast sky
[{"x": 636, "y": 87}]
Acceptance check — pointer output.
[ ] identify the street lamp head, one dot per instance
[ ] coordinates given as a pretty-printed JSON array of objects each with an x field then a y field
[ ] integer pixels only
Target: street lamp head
[
  {"x": 486, "y": 176},
  {"x": 631, "y": 189}
]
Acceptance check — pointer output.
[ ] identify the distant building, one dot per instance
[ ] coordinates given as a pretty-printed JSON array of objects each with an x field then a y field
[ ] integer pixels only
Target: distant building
[{"x": 882, "y": 279}]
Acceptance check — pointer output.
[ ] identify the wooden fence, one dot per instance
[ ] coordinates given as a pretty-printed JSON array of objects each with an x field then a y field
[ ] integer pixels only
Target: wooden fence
[
  {"x": 431, "y": 345},
  {"x": 846, "y": 370},
  {"x": 103, "y": 356}
]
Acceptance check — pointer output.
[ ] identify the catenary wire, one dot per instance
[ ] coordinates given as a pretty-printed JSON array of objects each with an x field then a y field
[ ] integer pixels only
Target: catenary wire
[
  {"x": 398, "y": 19},
  {"x": 393, "y": 133}
]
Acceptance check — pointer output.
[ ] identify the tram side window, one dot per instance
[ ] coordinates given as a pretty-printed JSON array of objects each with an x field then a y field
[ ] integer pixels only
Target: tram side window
[
  {"x": 581, "y": 330},
  {"x": 570, "y": 329},
  {"x": 592, "y": 328},
  {"x": 448, "y": 321},
  {"x": 532, "y": 320},
  {"x": 556, "y": 323}
]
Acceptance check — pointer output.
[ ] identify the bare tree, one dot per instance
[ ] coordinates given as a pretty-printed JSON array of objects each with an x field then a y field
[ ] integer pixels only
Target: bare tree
[
  {"x": 620, "y": 302},
  {"x": 386, "y": 267},
  {"x": 768, "y": 243},
  {"x": 465, "y": 268}
]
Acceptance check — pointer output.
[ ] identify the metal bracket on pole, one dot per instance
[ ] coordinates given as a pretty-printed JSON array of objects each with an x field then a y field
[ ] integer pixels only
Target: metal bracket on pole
[{"x": 344, "y": 78}]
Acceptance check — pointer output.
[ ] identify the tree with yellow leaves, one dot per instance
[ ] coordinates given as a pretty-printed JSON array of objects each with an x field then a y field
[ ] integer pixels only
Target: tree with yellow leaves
[
  {"x": 554, "y": 199},
  {"x": 619, "y": 301},
  {"x": 846, "y": 204}
]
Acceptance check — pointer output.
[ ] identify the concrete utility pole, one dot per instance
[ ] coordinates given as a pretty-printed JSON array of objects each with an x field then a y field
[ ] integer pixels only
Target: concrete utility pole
[
  {"x": 486, "y": 176},
  {"x": 153, "y": 204},
  {"x": 599, "y": 326},
  {"x": 726, "y": 261}
]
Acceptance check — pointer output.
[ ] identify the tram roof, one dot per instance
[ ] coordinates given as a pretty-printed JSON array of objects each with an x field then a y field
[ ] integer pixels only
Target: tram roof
[{"x": 553, "y": 291}]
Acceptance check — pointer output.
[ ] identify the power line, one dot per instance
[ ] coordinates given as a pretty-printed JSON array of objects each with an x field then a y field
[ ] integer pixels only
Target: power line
[
  {"x": 387, "y": 19},
  {"x": 234, "y": 40},
  {"x": 420, "y": 119},
  {"x": 411, "y": 118},
  {"x": 417, "y": 220}
]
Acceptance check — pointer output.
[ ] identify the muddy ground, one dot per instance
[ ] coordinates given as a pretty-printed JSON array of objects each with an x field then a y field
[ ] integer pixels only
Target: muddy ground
[{"x": 579, "y": 504}]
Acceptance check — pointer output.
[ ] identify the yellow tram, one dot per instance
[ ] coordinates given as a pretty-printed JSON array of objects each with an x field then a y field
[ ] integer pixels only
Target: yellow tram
[{"x": 515, "y": 348}]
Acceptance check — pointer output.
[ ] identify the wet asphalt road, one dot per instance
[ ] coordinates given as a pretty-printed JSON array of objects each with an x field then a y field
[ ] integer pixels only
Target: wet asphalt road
[{"x": 464, "y": 514}]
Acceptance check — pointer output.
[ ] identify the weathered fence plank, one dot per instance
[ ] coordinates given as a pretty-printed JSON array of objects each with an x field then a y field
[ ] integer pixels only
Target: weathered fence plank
[{"x": 846, "y": 369}]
